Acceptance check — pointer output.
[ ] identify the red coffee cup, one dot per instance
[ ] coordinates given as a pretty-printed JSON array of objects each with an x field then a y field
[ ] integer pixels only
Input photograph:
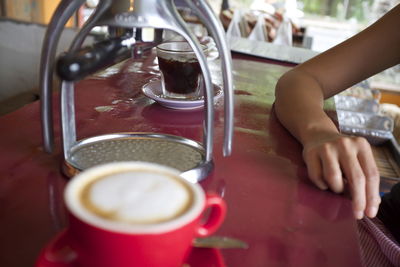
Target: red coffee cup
[{"x": 155, "y": 235}]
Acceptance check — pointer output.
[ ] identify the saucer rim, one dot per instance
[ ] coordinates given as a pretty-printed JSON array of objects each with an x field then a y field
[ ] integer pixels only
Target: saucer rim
[
  {"x": 176, "y": 103},
  {"x": 41, "y": 260}
]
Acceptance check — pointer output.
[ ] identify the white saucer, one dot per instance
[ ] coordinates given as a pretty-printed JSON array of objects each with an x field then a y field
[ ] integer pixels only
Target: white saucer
[{"x": 153, "y": 90}]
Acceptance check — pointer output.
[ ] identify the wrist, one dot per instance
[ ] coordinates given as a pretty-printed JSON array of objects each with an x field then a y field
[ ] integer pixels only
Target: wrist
[{"x": 318, "y": 131}]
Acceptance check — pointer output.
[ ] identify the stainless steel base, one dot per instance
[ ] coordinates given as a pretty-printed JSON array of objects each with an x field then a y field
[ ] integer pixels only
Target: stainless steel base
[{"x": 180, "y": 153}]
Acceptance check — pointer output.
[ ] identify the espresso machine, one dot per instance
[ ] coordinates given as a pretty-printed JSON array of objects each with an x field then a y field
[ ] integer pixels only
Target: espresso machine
[{"x": 131, "y": 15}]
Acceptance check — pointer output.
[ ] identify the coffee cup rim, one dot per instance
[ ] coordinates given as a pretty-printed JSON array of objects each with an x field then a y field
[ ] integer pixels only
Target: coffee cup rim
[
  {"x": 77, "y": 210},
  {"x": 204, "y": 48}
]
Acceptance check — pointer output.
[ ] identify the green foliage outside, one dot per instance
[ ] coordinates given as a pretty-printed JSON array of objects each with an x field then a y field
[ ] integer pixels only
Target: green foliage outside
[
  {"x": 356, "y": 9},
  {"x": 340, "y": 9}
]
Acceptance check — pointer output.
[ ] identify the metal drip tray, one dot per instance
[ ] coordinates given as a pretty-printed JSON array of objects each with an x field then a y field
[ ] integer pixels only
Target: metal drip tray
[{"x": 173, "y": 151}]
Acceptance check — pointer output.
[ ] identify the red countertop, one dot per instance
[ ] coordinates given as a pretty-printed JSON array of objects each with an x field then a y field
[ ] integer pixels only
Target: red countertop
[{"x": 271, "y": 204}]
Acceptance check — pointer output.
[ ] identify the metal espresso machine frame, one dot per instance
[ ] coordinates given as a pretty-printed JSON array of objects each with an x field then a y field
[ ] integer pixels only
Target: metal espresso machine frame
[{"x": 132, "y": 14}]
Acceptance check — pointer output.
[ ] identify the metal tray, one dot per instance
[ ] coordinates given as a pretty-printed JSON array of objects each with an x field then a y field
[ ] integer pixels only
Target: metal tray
[
  {"x": 351, "y": 103},
  {"x": 185, "y": 155},
  {"x": 375, "y": 128}
]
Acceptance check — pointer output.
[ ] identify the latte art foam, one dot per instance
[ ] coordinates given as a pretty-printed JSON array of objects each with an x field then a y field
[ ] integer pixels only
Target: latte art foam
[{"x": 137, "y": 197}]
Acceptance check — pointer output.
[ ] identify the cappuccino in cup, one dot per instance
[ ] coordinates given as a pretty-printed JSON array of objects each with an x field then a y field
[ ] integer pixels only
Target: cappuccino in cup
[
  {"x": 136, "y": 197},
  {"x": 133, "y": 197},
  {"x": 137, "y": 214}
]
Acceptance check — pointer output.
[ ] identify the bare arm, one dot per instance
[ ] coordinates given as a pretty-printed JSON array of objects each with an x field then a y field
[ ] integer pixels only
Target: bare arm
[{"x": 330, "y": 156}]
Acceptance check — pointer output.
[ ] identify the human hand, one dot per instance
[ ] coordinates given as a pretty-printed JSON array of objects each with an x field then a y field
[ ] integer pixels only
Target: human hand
[{"x": 335, "y": 161}]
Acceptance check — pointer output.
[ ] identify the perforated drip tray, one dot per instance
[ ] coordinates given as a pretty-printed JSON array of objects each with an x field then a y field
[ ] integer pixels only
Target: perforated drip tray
[{"x": 173, "y": 151}]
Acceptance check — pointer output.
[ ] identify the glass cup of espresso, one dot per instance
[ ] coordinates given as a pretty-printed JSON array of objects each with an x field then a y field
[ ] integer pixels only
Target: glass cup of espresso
[
  {"x": 136, "y": 214},
  {"x": 181, "y": 74}
]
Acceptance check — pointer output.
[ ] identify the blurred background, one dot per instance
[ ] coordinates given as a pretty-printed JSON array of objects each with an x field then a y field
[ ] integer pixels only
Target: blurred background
[{"x": 314, "y": 25}]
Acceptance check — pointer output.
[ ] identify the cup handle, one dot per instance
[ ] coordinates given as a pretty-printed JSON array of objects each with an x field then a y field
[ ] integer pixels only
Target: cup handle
[{"x": 217, "y": 208}]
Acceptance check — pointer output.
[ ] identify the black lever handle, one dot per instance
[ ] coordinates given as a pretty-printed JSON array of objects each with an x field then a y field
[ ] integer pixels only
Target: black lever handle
[{"x": 77, "y": 65}]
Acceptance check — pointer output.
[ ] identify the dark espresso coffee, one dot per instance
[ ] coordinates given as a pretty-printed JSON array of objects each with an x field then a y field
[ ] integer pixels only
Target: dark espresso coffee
[
  {"x": 180, "y": 70},
  {"x": 180, "y": 77}
]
